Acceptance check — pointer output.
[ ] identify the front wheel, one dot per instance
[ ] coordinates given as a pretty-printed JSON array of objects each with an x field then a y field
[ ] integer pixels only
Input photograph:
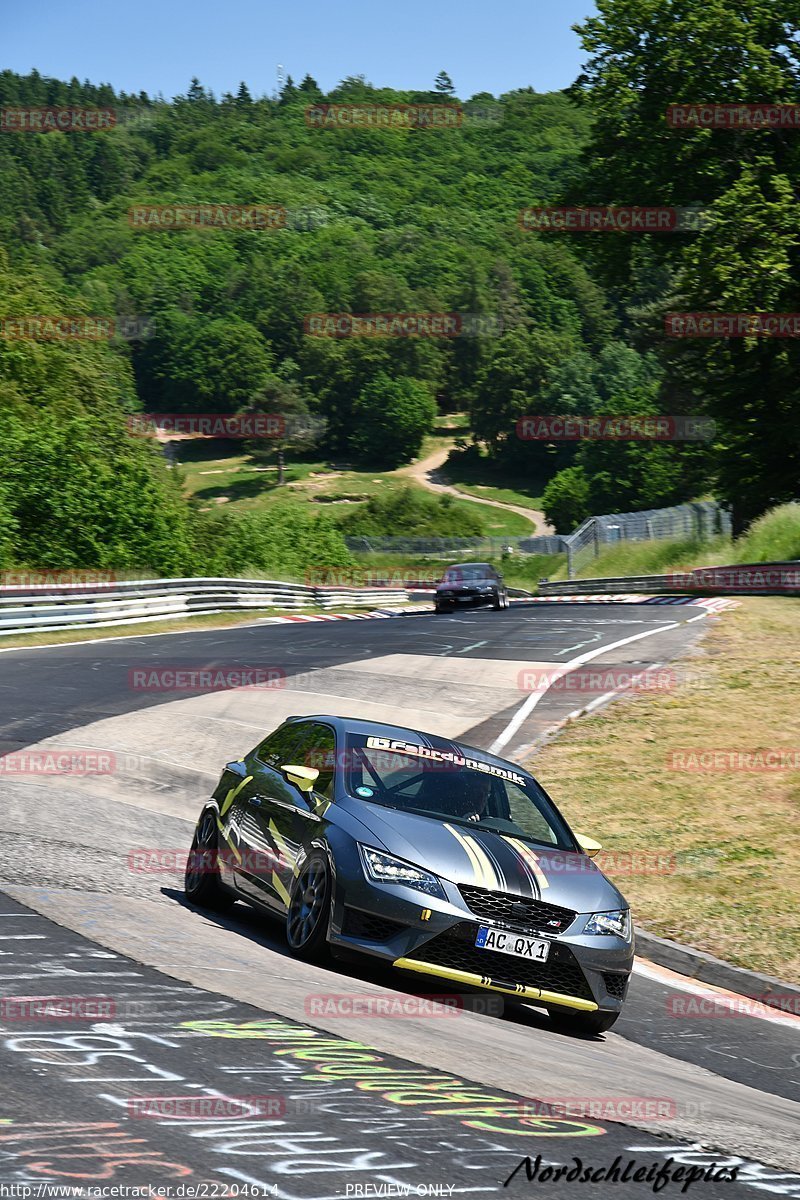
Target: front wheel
[
  {"x": 309, "y": 910},
  {"x": 581, "y": 1024},
  {"x": 202, "y": 882}
]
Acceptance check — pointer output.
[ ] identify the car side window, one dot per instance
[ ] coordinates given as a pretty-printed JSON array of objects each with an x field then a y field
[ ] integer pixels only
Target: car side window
[
  {"x": 319, "y": 750},
  {"x": 284, "y": 745}
]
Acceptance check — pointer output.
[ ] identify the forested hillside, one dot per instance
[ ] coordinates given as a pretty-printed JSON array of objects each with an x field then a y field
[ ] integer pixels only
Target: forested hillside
[{"x": 378, "y": 220}]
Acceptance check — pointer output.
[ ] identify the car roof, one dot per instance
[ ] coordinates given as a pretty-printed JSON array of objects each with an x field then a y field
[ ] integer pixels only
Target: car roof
[
  {"x": 356, "y": 725},
  {"x": 462, "y": 566}
]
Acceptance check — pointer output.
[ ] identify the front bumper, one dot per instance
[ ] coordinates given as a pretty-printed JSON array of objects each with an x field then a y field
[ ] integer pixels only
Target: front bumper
[
  {"x": 467, "y": 598},
  {"x": 435, "y": 937}
]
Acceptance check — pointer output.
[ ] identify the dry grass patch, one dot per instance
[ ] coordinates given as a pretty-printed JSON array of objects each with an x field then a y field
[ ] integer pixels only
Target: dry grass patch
[{"x": 735, "y": 891}]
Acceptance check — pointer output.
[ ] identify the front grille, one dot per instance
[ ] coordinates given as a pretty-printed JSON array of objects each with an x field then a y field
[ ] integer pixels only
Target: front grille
[
  {"x": 518, "y": 912},
  {"x": 364, "y": 925},
  {"x": 455, "y": 948},
  {"x": 615, "y": 985}
]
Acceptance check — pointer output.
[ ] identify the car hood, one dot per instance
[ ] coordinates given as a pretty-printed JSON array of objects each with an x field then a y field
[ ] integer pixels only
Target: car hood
[
  {"x": 463, "y": 584},
  {"x": 467, "y": 854}
]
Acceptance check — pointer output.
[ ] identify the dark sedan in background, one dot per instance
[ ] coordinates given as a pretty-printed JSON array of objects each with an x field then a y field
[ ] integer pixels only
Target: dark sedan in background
[
  {"x": 469, "y": 584},
  {"x": 427, "y": 854}
]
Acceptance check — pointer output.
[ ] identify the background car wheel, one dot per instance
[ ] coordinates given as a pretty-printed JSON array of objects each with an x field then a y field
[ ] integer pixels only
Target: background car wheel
[
  {"x": 201, "y": 881},
  {"x": 582, "y": 1024},
  {"x": 309, "y": 910}
]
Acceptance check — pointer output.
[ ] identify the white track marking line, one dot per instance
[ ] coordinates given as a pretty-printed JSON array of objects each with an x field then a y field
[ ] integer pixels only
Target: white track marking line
[{"x": 529, "y": 704}]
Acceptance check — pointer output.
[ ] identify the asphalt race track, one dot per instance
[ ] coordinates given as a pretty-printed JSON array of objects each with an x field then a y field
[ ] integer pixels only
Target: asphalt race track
[{"x": 193, "y": 1007}]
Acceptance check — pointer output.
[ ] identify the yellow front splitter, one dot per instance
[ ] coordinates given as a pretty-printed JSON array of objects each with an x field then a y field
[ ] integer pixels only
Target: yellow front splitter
[{"x": 484, "y": 981}]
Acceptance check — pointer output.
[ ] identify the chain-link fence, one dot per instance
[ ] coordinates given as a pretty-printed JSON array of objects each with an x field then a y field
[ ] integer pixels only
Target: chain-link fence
[{"x": 703, "y": 520}]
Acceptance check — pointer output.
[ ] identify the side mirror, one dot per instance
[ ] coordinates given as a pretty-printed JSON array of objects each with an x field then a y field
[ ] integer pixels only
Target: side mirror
[
  {"x": 237, "y": 768},
  {"x": 588, "y": 844},
  {"x": 303, "y": 778}
]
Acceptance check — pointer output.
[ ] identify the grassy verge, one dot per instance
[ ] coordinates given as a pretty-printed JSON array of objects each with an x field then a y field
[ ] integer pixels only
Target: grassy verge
[
  {"x": 504, "y": 494},
  {"x": 477, "y": 475},
  {"x": 214, "y": 477},
  {"x": 653, "y": 558},
  {"x": 734, "y": 889}
]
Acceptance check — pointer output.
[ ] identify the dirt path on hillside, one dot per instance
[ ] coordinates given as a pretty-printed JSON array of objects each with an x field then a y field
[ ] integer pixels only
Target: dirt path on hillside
[{"x": 427, "y": 473}]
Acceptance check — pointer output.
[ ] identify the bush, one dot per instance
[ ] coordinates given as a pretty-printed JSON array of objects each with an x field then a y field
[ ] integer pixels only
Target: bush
[
  {"x": 775, "y": 537},
  {"x": 565, "y": 500},
  {"x": 413, "y": 513},
  {"x": 390, "y": 419},
  {"x": 284, "y": 542}
]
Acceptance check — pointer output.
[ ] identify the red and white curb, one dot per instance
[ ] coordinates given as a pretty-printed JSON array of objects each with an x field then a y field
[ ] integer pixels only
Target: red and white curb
[
  {"x": 714, "y": 603},
  {"x": 373, "y": 614}
]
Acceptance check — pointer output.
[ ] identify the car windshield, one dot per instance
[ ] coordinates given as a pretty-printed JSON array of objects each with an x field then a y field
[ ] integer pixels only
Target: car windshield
[
  {"x": 446, "y": 785},
  {"x": 465, "y": 574}
]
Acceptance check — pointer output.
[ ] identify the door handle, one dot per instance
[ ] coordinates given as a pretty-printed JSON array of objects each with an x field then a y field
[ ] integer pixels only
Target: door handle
[{"x": 256, "y": 801}]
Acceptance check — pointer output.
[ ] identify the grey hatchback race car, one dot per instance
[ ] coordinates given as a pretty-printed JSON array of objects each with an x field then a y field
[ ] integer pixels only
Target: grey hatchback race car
[{"x": 430, "y": 855}]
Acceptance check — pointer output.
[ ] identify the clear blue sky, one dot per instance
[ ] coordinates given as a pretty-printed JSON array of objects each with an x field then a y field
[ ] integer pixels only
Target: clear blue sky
[{"x": 157, "y": 45}]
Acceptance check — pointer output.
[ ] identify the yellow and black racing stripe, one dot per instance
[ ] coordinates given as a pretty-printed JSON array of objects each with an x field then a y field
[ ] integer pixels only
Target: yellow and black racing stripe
[{"x": 530, "y": 860}]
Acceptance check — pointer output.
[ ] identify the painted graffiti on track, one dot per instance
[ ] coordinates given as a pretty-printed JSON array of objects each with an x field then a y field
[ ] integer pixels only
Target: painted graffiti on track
[{"x": 183, "y": 1093}]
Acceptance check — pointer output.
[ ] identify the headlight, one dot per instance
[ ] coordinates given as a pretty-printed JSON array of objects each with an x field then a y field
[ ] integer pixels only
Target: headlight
[
  {"x": 384, "y": 868},
  {"x": 615, "y": 924}
]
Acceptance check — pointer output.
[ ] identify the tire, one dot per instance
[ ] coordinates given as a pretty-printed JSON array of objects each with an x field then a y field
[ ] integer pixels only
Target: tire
[
  {"x": 581, "y": 1024},
  {"x": 497, "y": 603},
  {"x": 309, "y": 911},
  {"x": 201, "y": 883}
]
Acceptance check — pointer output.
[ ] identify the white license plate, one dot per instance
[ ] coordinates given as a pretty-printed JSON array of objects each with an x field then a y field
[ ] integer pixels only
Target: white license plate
[{"x": 515, "y": 944}]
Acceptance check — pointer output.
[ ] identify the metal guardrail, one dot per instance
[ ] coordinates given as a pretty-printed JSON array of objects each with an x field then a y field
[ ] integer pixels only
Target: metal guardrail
[
  {"x": 68, "y": 606},
  {"x": 764, "y": 579}
]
